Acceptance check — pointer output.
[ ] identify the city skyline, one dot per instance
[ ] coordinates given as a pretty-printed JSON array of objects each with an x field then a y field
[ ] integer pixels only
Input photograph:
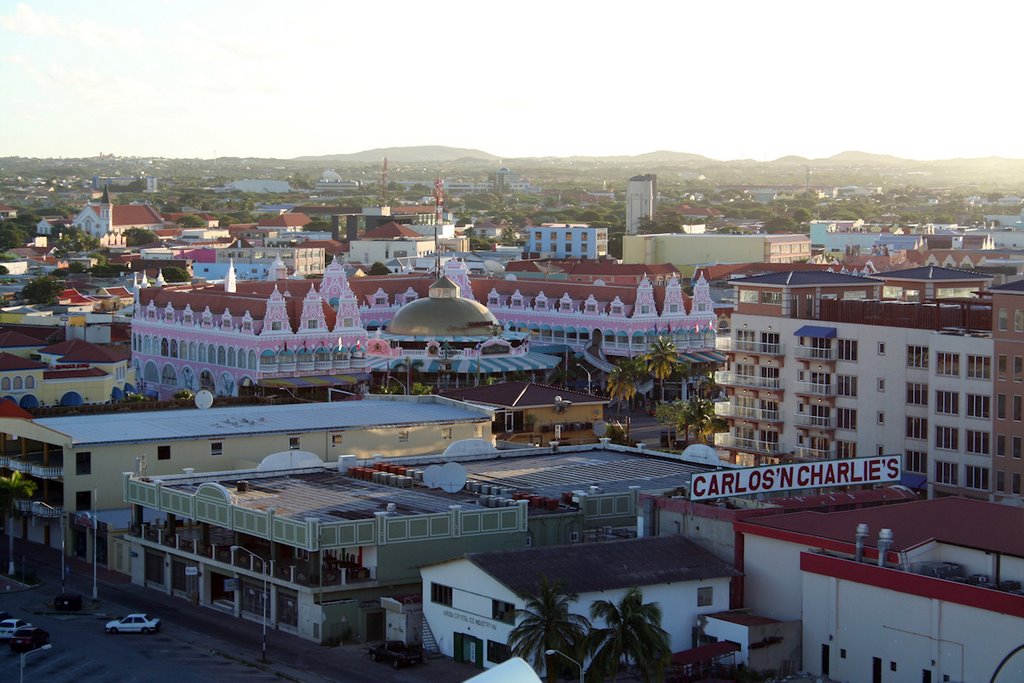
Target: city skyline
[{"x": 730, "y": 81}]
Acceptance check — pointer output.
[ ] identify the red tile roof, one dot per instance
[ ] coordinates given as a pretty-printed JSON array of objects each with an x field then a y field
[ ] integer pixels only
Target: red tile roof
[
  {"x": 72, "y": 373},
  {"x": 9, "y": 408},
  {"x": 8, "y": 361},
  {"x": 126, "y": 215},
  {"x": 81, "y": 351},
  {"x": 13, "y": 339},
  {"x": 285, "y": 220},
  {"x": 390, "y": 231}
]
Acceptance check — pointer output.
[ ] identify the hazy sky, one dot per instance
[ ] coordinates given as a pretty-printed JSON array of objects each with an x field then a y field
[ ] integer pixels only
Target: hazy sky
[{"x": 727, "y": 79}]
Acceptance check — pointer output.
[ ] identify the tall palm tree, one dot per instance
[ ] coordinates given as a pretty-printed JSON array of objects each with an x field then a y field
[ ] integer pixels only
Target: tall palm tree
[
  {"x": 699, "y": 415},
  {"x": 632, "y": 632},
  {"x": 661, "y": 360},
  {"x": 13, "y": 489},
  {"x": 624, "y": 378},
  {"x": 546, "y": 623}
]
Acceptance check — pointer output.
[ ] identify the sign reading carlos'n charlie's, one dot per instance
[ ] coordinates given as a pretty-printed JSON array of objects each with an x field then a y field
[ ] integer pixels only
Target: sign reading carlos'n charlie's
[{"x": 878, "y": 469}]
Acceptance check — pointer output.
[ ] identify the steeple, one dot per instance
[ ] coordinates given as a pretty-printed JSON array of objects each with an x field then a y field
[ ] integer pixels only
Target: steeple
[
  {"x": 230, "y": 284},
  {"x": 106, "y": 195}
]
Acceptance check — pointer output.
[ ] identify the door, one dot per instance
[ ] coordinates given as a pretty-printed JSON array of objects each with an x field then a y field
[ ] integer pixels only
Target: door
[
  {"x": 824, "y": 660},
  {"x": 876, "y": 670}
]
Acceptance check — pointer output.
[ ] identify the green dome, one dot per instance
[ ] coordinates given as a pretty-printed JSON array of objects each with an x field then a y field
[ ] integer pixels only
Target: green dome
[{"x": 443, "y": 314}]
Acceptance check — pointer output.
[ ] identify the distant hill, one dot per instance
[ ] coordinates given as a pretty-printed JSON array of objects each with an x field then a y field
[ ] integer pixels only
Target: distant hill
[{"x": 405, "y": 155}]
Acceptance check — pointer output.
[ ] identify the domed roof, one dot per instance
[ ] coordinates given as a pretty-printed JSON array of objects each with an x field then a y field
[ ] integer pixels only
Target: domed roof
[{"x": 443, "y": 314}]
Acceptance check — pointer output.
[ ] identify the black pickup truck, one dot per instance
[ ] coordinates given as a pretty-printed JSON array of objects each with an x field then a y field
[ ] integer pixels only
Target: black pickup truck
[{"x": 396, "y": 652}]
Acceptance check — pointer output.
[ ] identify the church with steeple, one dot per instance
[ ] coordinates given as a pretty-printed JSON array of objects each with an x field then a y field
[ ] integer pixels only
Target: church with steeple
[{"x": 108, "y": 222}]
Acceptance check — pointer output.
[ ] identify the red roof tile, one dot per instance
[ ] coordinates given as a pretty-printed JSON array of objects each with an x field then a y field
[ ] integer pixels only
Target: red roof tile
[
  {"x": 12, "y": 339},
  {"x": 135, "y": 214},
  {"x": 9, "y": 408},
  {"x": 390, "y": 231},
  {"x": 81, "y": 351},
  {"x": 8, "y": 361},
  {"x": 285, "y": 220},
  {"x": 72, "y": 373}
]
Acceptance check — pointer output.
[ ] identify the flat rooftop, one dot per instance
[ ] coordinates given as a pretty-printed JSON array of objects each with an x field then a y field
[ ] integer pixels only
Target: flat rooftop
[{"x": 170, "y": 425}]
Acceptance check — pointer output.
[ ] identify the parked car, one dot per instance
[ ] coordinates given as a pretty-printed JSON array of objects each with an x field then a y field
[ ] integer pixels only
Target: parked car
[
  {"x": 396, "y": 652},
  {"x": 134, "y": 623},
  {"x": 28, "y": 638},
  {"x": 10, "y": 625}
]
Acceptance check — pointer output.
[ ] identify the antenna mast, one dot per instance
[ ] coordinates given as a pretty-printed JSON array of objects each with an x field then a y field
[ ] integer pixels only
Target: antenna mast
[{"x": 438, "y": 212}]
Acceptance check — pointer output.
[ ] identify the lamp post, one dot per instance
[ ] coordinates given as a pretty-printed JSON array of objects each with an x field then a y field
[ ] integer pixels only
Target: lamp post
[
  {"x": 559, "y": 652},
  {"x": 63, "y": 573},
  {"x": 266, "y": 597},
  {"x": 21, "y": 676},
  {"x": 589, "y": 379}
]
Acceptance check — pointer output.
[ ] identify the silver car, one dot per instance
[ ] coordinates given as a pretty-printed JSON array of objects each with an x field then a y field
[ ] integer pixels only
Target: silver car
[{"x": 134, "y": 623}]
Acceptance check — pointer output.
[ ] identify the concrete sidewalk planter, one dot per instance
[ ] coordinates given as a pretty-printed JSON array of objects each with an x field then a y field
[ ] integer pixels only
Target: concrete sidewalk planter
[{"x": 68, "y": 602}]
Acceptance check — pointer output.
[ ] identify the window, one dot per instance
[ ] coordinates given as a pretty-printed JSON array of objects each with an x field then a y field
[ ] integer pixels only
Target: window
[
  {"x": 917, "y": 357},
  {"x": 1000, "y": 480},
  {"x": 848, "y": 349},
  {"x": 917, "y": 394},
  {"x": 979, "y": 405},
  {"x": 446, "y": 433},
  {"x": 917, "y": 428},
  {"x": 846, "y": 449},
  {"x": 403, "y": 436},
  {"x": 1018, "y": 368},
  {"x": 440, "y": 594},
  {"x": 275, "y": 326},
  {"x": 1015, "y": 447},
  {"x": 947, "y": 402},
  {"x": 83, "y": 463},
  {"x": 881, "y": 385},
  {"x": 846, "y": 385},
  {"x": 947, "y": 364},
  {"x": 846, "y": 418},
  {"x": 748, "y": 296},
  {"x": 83, "y": 500},
  {"x": 498, "y": 651},
  {"x": 336, "y": 439},
  {"x": 1003, "y": 318},
  {"x": 946, "y": 473},
  {"x": 880, "y": 417},
  {"x": 216, "y": 448},
  {"x": 947, "y": 438},
  {"x": 979, "y": 367},
  {"x": 1001, "y": 445},
  {"x": 1016, "y": 407},
  {"x": 772, "y": 298},
  {"x": 163, "y": 452},
  {"x": 881, "y": 348},
  {"x": 705, "y": 596},
  {"x": 1018, "y": 320},
  {"x": 977, "y": 442},
  {"x": 293, "y": 443},
  {"x": 1016, "y": 483},
  {"x": 504, "y": 612},
  {"x": 1001, "y": 406},
  {"x": 917, "y": 461}
]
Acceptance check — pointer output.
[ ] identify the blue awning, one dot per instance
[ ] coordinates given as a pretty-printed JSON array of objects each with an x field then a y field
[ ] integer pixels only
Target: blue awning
[
  {"x": 914, "y": 481},
  {"x": 816, "y": 332}
]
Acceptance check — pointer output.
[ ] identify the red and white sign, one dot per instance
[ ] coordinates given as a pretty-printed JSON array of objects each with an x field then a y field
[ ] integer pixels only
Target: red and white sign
[{"x": 877, "y": 469}]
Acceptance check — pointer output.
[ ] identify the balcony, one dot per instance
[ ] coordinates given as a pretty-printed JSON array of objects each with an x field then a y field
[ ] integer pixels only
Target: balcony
[
  {"x": 728, "y": 378},
  {"x": 729, "y": 409},
  {"x": 814, "y": 421},
  {"x": 747, "y": 346},
  {"x": 814, "y": 353},
  {"x": 47, "y": 472},
  {"x": 815, "y": 389},
  {"x": 745, "y": 444},
  {"x": 808, "y": 453}
]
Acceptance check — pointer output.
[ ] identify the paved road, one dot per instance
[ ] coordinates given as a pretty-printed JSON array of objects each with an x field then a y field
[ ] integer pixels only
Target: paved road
[{"x": 195, "y": 644}]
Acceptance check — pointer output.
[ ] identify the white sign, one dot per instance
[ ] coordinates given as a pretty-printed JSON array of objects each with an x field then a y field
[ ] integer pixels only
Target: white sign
[
  {"x": 848, "y": 472},
  {"x": 191, "y": 571},
  {"x": 230, "y": 584}
]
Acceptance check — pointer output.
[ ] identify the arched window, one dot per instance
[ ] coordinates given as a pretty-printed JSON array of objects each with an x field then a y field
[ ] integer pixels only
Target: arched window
[
  {"x": 17, "y": 383},
  {"x": 30, "y": 382},
  {"x": 5, "y": 383},
  {"x": 221, "y": 356},
  {"x": 231, "y": 357},
  {"x": 211, "y": 354},
  {"x": 163, "y": 346}
]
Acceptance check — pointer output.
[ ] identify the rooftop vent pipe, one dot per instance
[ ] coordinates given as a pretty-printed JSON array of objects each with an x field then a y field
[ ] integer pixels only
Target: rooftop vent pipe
[
  {"x": 884, "y": 542},
  {"x": 862, "y": 535}
]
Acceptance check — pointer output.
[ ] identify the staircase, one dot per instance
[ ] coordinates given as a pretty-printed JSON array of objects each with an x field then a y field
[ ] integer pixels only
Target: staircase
[
  {"x": 594, "y": 356},
  {"x": 427, "y": 636}
]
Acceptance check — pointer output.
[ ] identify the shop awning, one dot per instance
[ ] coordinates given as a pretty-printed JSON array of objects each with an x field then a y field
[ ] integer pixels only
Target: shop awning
[
  {"x": 702, "y": 357},
  {"x": 704, "y": 653},
  {"x": 468, "y": 366},
  {"x": 816, "y": 331},
  {"x": 305, "y": 382}
]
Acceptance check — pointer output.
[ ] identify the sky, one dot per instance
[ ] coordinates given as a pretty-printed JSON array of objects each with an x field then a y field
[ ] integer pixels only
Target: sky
[{"x": 728, "y": 79}]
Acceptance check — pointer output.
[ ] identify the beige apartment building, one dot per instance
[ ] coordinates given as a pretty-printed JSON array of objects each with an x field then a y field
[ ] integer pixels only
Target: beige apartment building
[{"x": 693, "y": 250}]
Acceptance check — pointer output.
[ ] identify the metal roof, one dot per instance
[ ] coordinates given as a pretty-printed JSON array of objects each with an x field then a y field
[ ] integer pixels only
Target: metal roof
[{"x": 168, "y": 425}]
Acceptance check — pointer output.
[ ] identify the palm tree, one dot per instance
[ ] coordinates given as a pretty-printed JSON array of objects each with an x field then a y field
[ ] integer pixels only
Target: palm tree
[
  {"x": 624, "y": 378},
  {"x": 632, "y": 632},
  {"x": 546, "y": 623},
  {"x": 699, "y": 415},
  {"x": 661, "y": 360},
  {"x": 13, "y": 489}
]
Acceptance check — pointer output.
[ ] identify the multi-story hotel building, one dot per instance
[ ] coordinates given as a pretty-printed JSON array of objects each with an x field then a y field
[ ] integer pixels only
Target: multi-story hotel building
[
  {"x": 825, "y": 365},
  {"x": 1008, "y": 394}
]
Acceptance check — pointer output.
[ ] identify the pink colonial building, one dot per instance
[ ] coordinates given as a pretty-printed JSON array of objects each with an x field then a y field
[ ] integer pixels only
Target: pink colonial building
[{"x": 299, "y": 333}]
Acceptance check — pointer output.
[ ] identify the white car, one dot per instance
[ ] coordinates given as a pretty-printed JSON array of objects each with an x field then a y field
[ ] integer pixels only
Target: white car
[
  {"x": 9, "y": 626},
  {"x": 134, "y": 623}
]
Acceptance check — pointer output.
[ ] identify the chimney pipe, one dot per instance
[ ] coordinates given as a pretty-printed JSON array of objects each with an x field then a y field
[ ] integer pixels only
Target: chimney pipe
[
  {"x": 862, "y": 535},
  {"x": 884, "y": 543}
]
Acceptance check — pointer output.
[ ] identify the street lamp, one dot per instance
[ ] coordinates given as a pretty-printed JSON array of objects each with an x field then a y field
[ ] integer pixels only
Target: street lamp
[
  {"x": 559, "y": 652},
  {"x": 61, "y": 513},
  {"x": 21, "y": 677},
  {"x": 589, "y": 379},
  {"x": 266, "y": 597}
]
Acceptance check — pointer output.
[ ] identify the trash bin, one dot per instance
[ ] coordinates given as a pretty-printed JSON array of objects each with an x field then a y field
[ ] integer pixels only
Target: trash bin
[{"x": 68, "y": 602}]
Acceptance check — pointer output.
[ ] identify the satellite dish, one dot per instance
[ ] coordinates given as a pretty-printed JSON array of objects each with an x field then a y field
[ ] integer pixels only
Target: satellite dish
[
  {"x": 699, "y": 452},
  {"x": 600, "y": 428},
  {"x": 203, "y": 399},
  {"x": 449, "y": 477}
]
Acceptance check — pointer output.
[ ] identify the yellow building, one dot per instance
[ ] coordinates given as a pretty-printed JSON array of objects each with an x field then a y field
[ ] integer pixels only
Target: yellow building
[
  {"x": 69, "y": 373},
  {"x": 693, "y": 250}
]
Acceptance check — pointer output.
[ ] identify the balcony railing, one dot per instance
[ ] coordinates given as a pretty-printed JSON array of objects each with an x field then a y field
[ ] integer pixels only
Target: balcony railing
[
  {"x": 815, "y": 421},
  {"x": 808, "y": 453},
  {"x": 745, "y": 444},
  {"x": 748, "y": 346},
  {"x": 19, "y": 465},
  {"x": 815, "y": 389},
  {"x": 47, "y": 472},
  {"x": 814, "y": 353},
  {"x": 729, "y": 409},
  {"x": 729, "y": 378}
]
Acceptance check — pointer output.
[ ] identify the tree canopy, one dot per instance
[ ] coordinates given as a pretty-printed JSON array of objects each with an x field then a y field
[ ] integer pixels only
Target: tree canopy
[
  {"x": 378, "y": 268},
  {"x": 42, "y": 290},
  {"x": 137, "y": 237}
]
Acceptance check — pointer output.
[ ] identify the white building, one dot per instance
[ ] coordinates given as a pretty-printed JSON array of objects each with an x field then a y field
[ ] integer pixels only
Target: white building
[
  {"x": 470, "y": 603},
  {"x": 943, "y": 604},
  {"x": 566, "y": 240},
  {"x": 641, "y": 198}
]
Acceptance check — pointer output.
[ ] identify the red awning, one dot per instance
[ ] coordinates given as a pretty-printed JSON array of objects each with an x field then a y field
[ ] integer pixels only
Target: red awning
[{"x": 704, "y": 653}]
